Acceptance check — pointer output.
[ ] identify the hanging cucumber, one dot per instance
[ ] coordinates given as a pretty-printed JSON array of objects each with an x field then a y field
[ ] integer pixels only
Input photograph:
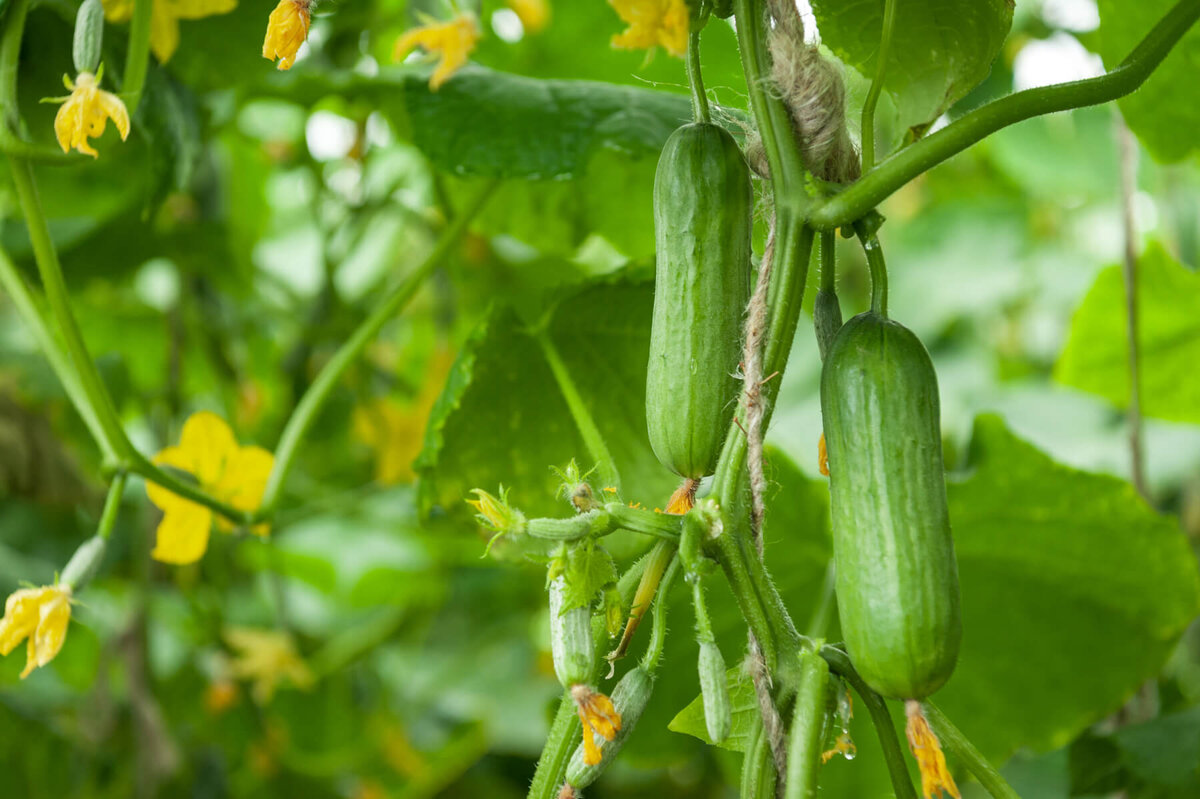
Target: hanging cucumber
[
  {"x": 897, "y": 580},
  {"x": 702, "y": 222}
]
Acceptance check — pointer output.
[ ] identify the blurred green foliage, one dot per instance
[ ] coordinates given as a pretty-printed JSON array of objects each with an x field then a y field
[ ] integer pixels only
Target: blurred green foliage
[{"x": 218, "y": 258}]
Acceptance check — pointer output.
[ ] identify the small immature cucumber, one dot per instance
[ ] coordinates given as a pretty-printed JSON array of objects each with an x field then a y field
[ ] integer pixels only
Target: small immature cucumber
[
  {"x": 718, "y": 712},
  {"x": 897, "y": 580},
  {"x": 702, "y": 225},
  {"x": 629, "y": 698},
  {"x": 570, "y": 638}
]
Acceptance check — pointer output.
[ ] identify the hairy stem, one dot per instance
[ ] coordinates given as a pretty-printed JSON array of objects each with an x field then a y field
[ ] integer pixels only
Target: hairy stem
[
  {"x": 878, "y": 269},
  {"x": 867, "y": 192},
  {"x": 658, "y": 627},
  {"x": 868, "y": 111},
  {"x": 314, "y": 399},
  {"x": 807, "y": 736},
  {"x": 565, "y": 735},
  {"x": 957, "y": 744}
]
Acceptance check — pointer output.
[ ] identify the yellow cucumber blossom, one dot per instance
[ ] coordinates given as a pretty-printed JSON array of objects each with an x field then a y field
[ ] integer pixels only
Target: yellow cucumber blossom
[
  {"x": 653, "y": 23},
  {"x": 233, "y": 474},
  {"x": 164, "y": 19},
  {"x": 453, "y": 41},
  {"x": 40, "y": 615},
  {"x": 935, "y": 774},
  {"x": 85, "y": 113},
  {"x": 287, "y": 28},
  {"x": 534, "y": 14},
  {"x": 496, "y": 514},
  {"x": 265, "y": 657},
  {"x": 598, "y": 716}
]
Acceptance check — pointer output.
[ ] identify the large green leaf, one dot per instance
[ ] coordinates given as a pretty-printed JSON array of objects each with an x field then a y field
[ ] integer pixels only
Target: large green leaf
[
  {"x": 940, "y": 50},
  {"x": 1096, "y": 358},
  {"x": 503, "y": 417},
  {"x": 1073, "y": 593},
  {"x": 1164, "y": 112}
]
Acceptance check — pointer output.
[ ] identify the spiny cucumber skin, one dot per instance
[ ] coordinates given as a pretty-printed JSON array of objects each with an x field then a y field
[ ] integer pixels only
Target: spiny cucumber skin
[
  {"x": 703, "y": 204},
  {"x": 897, "y": 578},
  {"x": 570, "y": 639},
  {"x": 629, "y": 698}
]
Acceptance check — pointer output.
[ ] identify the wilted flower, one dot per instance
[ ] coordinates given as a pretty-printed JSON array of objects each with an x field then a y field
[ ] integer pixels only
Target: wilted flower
[
  {"x": 287, "y": 28},
  {"x": 40, "y": 615},
  {"x": 598, "y": 716},
  {"x": 935, "y": 775},
  {"x": 85, "y": 113}
]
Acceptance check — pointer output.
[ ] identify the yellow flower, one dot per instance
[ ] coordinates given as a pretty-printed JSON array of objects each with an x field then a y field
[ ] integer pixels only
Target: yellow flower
[
  {"x": 662, "y": 23},
  {"x": 844, "y": 745},
  {"x": 534, "y": 14},
  {"x": 85, "y": 113},
  {"x": 935, "y": 775},
  {"x": 287, "y": 28},
  {"x": 265, "y": 657},
  {"x": 684, "y": 498},
  {"x": 453, "y": 41},
  {"x": 233, "y": 474},
  {"x": 164, "y": 19},
  {"x": 598, "y": 716},
  {"x": 40, "y": 615}
]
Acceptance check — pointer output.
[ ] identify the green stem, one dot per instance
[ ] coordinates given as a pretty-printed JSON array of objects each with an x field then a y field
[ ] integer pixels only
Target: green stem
[
  {"x": 885, "y": 728},
  {"x": 640, "y": 520},
  {"x": 807, "y": 737},
  {"x": 658, "y": 628},
  {"x": 952, "y": 739},
  {"x": 112, "y": 506},
  {"x": 828, "y": 256},
  {"x": 868, "y": 111},
  {"x": 56, "y": 296},
  {"x": 314, "y": 399},
  {"x": 878, "y": 269},
  {"x": 139, "y": 464},
  {"x": 696, "y": 79},
  {"x": 892, "y": 173},
  {"x": 733, "y": 563},
  {"x": 593, "y": 439},
  {"x": 10, "y": 59},
  {"x": 137, "y": 58},
  {"x": 27, "y": 307},
  {"x": 770, "y": 114},
  {"x": 565, "y": 735},
  {"x": 758, "y": 768}
]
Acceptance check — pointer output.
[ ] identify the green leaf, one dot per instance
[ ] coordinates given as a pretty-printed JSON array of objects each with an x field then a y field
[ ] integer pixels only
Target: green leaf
[
  {"x": 1165, "y": 751},
  {"x": 1096, "y": 356},
  {"x": 1163, "y": 112},
  {"x": 589, "y": 569},
  {"x": 502, "y": 417},
  {"x": 940, "y": 50},
  {"x": 1057, "y": 567},
  {"x": 744, "y": 706}
]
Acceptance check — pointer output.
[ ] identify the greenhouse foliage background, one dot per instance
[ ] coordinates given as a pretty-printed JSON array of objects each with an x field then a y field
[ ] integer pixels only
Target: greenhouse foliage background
[{"x": 218, "y": 257}]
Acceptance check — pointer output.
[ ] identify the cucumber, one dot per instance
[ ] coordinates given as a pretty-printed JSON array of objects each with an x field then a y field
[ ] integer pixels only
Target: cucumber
[
  {"x": 570, "y": 638},
  {"x": 897, "y": 580},
  {"x": 702, "y": 225},
  {"x": 630, "y": 698}
]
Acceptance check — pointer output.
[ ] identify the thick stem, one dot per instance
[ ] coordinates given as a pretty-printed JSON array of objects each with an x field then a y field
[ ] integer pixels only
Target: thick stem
[
  {"x": 885, "y": 728},
  {"x": 565, "y": 734},
  {"x": 770, "y": 115},
  {"x": 696, "y": 80},
  {"x": 137, "y": 58},
  {"x": 807, "y": 736},
  {"x": 593, "y": 439},
  {"x": 868, "y": 111},
  {"x": 953, "y": 740},
  {"x": 1128, "y": 154},
  {"x": 867, "y": 192},
  {"x": 314, "y": 399}
]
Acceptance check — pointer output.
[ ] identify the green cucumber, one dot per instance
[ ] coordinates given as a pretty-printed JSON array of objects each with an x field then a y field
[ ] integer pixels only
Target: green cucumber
[
  {"x": 702, "y": 225},
  {"x": 629, "y": 698},
  {"x": 570, "y": 638},
  {"x": 897, "y": 580}
]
